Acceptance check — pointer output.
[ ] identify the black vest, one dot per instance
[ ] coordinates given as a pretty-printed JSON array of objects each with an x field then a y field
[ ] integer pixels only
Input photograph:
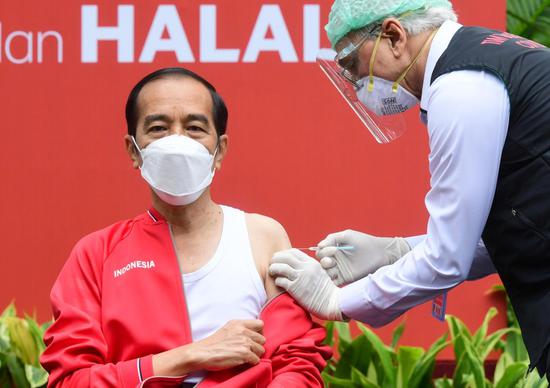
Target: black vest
[{"x": 517, "y": 232}]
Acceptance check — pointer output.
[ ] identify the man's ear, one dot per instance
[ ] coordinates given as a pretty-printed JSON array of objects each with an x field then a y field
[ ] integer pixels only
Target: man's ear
[
  {"x": 132, "y": 151},
  {"x": 222, "y": 150},
  {"x": 392, "y": 29}
]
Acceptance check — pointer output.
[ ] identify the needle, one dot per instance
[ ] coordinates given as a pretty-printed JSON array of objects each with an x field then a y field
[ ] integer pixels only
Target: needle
[{"x": 340, "y": 248}]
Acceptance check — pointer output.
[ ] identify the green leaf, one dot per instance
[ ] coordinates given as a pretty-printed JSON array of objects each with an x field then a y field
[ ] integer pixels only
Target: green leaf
[
  {"x": 469, "y": 368},
  {"x": 21, "y": 340},
  {"x": 423, "y": 370},
  {"x": 9, "y": 311},
  {"x": 503, "y": 362},
  {"x": 397, "y": 333},
  {"x": 443, "y": 383},
  {"x": 533, "y": 380},
  {"x": 372, "y": 375},
  {"x": 476, "y": 367},
  {"x": 360, "y": 380},
  {"x": 407, "y": 358},
  {"x": 529, "y": 18},
  {"x": 512, "y": 375},
  {"x": 4, "y": 337},
  {"x": 489, "y": 344},
  {"x": 36, "y": 376},
  {"x": 343, "y": 331},
  {"x": 384, "y": 356},
  {"x": 344, "y": 335},
  {"x": 17, "y": 371},
  {"x": 457, "y": 327},
  {"x": 37, "y": 335},
  {"x": 480, "y": 334},
  {"x": 335, "y": 382},
  {"x": 358, "y": 354},
  {"x": 515, "y": 347},
  {"x": 329, "y": 327},
  {"x": 45, "y": 326}
]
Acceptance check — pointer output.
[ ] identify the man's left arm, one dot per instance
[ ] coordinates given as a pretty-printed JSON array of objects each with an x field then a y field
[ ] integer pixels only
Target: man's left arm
[{"x": 295, "y": 343}]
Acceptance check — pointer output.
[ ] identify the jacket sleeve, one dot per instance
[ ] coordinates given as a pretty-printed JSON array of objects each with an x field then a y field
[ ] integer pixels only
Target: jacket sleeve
[
  {"x": 299, "y": 355},
  {"x": 76, "y": 350}
]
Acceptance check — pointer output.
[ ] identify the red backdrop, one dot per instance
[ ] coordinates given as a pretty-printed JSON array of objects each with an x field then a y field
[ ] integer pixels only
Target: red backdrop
[{"x": 297, "y": 152}]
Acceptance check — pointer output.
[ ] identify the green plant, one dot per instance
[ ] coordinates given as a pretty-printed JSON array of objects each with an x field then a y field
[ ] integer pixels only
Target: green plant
[
  {"x": 513, "y": 363},
  {"x": 366, "y": 361},
  {"x": 20, "y": 348},
  {"x": 530, "y": 19},
  {"x": 471, "y": 350}
]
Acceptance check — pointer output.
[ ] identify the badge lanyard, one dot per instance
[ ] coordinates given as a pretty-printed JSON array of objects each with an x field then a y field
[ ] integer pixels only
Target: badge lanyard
[{"x": 439, "y": 305}]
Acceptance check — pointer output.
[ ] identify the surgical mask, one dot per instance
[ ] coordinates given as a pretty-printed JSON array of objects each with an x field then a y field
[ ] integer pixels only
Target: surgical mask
[
  {"x": 178, "y": 168},
  {"x": 384, "y": 97}
]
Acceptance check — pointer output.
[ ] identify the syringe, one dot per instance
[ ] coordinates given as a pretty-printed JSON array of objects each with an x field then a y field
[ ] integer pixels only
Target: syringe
[{"x": 340, "y": 248}]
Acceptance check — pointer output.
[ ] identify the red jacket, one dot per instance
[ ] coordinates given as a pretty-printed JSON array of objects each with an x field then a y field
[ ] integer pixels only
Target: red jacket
[{"x": 119, "y": 299}]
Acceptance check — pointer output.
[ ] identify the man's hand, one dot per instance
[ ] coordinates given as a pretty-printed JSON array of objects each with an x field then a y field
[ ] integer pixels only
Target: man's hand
[
  {"x": 238, "y": 342},
  {"x": 368, "y": 254},
  {"x": 304, "y": 278}
]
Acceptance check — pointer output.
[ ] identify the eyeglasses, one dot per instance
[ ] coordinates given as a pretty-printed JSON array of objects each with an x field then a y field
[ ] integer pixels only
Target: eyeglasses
[{"x": 348, "y": 58}]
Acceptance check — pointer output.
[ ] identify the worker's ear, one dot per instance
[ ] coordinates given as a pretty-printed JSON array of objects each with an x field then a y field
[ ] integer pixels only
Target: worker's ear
[
  {"x": 132, "y": 151},
  {"x": 396, "y": 34},
  {"x": 222, "y": 150}
]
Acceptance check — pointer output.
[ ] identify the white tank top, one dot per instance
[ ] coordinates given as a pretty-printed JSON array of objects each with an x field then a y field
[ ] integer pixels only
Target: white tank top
[{"x": 228, "y": 286}]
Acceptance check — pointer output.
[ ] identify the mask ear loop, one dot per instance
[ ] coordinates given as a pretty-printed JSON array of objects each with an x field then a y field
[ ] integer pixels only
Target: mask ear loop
[
  {"x": 135, "y": 144},
  {"x": 138, "y": 150},
  {"x": 214, "y": 155},
  {"x": 395, "y": 86},
  {"x": 370, "y": 86}
]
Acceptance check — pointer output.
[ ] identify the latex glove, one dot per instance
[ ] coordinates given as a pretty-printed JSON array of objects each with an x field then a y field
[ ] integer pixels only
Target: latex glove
[
  {"x": 368, "y": 254},
  {"x": 303, "y": 277}
]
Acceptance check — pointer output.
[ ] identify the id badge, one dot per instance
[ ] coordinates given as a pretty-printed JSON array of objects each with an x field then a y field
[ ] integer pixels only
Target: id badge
[{"x": 439, "y": 305}]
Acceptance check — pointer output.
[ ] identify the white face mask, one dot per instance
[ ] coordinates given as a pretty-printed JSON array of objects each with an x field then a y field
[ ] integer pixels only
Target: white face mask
[
  {"x": 383, "y": 99},
  {"x": 178, "y": 168}
]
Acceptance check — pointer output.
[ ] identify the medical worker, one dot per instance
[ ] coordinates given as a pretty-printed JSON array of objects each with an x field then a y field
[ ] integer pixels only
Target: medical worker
[{"x": 484, "y": 96}]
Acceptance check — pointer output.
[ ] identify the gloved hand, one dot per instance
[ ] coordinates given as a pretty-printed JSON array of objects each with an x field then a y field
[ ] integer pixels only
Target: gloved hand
[
  {"x": 368, "y": 254},
  {"x": 308, "y": 283}
]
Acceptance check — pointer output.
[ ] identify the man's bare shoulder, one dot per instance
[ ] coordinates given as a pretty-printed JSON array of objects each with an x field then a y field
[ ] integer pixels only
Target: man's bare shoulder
[
  {"x": 266, "y": 228},
  {"x": 267, "y": 236}
]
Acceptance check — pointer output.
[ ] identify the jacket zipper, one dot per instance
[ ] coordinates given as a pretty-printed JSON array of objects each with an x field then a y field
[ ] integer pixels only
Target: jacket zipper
[
  {"x": 530, "y": 224},
  {"x": 179, "y": 276}
]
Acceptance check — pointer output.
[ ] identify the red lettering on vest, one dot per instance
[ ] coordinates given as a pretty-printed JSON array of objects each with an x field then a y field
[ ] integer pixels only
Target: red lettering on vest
[
  {"x": 529, "y": 44},
  {"x": 496, "y": 39},
  {"x": 503, "y": 37}
]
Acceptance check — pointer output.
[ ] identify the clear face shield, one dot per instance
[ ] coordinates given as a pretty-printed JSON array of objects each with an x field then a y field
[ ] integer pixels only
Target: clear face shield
[
  {"x": 378, "y": 103},
  {"x": 384, "y": 128}
]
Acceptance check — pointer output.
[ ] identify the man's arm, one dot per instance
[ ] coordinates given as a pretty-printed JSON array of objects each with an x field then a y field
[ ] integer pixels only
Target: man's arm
[
  {"x": 468, "y": 121},
  {"x": 299, "y": 356},
  {"x": 267, "y": 236},
  {"x": 76, "y": 350}
]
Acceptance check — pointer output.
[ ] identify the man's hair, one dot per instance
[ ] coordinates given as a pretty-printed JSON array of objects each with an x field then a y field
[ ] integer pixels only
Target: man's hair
[
  {"x": 414, "y": 23},
  {"x": 219, "y": 110}
]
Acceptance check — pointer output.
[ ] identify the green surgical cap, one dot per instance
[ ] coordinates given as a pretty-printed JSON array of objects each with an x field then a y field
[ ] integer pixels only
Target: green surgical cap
[{"x": 349, "y": 15}]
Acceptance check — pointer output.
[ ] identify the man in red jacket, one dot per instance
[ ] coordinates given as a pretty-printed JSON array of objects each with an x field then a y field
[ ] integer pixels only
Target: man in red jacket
[{"x": 179, "y": 294}]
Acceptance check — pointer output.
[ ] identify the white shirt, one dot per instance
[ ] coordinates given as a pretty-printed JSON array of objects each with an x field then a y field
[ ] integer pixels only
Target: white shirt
[
  {"x": 227, "y": 287},
  {"x": 468, "y": 114}
]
